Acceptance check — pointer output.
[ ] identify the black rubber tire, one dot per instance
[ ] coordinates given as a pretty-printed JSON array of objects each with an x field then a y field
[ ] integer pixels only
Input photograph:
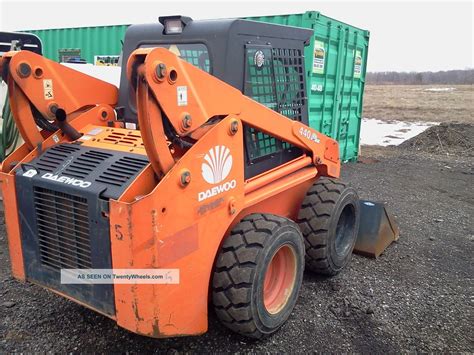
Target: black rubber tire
[
  {"x": 237, "y": 284},
  {"x": 329, "y": 245}
]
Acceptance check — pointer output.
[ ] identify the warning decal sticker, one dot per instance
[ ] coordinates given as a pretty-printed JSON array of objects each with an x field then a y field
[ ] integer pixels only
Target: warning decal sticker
[
  {"x": 182, "y": 93},
  {"x": 48, "y": 89},
  {"x": 319, "y": 57},
  {"x": 357, "y": 64}
]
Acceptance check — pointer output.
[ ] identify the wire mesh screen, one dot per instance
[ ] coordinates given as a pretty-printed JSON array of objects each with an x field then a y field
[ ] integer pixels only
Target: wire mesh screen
[
  {"x": 260, "y": 83},
  {"x": 288, "y": 66},
  {"x": 196, "y": 54},
  {"x": 198, "y": 57},
  {"x": 275, "y": 78}
]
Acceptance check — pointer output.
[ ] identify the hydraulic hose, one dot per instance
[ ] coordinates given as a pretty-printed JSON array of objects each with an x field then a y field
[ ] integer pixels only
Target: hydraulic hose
[{"x": 9, "y": 135}]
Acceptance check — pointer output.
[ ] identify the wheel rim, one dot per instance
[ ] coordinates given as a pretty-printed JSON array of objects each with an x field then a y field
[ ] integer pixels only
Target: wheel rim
[
  {"x": 345, "y": 229},
  {"x": 280, "y": 279}
]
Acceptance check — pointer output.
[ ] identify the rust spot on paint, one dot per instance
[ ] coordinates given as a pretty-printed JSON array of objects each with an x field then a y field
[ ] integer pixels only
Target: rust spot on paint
[
  {"x": 170, "y": 324},
  {"x": 154, "y": 231},
  {"x": 135, "y": 311},
  {"x": 129, "y": 222},
  {"x": 152, "y": 240},
  {"x": 147, "y": 244},
  {"x": 156, "y": 329},
  {"x": 154, "y": 222},
  {"x": 130, "y": 234}
]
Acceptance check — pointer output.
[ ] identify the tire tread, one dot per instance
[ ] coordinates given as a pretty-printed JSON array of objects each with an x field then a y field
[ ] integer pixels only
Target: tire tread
[
  {"x": 234, "y": 270},
  {"x": 314, "y": 219}
]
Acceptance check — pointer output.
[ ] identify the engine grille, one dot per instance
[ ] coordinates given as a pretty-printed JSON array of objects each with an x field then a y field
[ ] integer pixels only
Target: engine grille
[{"x": 63, "y": 229}]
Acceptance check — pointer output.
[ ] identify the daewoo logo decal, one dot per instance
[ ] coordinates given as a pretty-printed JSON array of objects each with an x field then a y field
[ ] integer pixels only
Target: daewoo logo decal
[
  {"x": 215, "y": 168},
  {"x": 67, "y": 180},
  {"x": 217, "y": 164}
]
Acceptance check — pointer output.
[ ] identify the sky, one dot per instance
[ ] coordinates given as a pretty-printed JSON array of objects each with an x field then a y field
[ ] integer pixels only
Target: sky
[{"x": 415, "y": 35}]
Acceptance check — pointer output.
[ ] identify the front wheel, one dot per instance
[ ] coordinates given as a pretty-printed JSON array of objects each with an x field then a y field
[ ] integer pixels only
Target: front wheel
[
  {"x": 329, "y": 219},
  {"x": 258, "y": 274}
]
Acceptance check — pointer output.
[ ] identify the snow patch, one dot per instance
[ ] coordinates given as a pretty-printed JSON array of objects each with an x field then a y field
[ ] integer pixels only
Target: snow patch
[
  {"x": 384, "y": 133},
  {"x": 440, "y": 89}
]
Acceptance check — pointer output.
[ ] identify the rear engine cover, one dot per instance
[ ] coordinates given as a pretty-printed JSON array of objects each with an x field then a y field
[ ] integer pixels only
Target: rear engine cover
[{"x": 63, "y": 210}]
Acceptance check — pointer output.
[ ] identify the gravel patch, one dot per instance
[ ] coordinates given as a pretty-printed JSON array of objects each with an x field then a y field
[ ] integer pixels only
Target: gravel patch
[{"x": 415, "y": 297}]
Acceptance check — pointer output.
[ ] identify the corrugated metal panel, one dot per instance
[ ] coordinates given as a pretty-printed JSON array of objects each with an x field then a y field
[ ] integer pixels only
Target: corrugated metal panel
[
  {"x": 335, "y": 63},
  {"x": 102, "y": 40}
]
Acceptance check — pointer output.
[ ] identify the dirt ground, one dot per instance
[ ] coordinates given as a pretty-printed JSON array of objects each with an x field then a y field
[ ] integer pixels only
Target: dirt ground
[
  {"x": 415, "y": 297},
  {"x": 447, "y": 138},
  {"x": 431, "y": 103}
]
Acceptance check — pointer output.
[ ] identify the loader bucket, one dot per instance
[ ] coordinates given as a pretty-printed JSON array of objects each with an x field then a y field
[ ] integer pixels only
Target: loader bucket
[{"x": 377, "y": 229}]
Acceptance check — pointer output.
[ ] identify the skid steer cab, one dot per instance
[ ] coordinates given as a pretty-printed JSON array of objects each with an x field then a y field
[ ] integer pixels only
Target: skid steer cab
[{"x": 201, "y": 165}]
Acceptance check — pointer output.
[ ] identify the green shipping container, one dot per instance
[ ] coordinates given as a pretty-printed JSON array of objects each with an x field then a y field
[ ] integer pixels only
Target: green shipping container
[
  {"x": 90, "y": 41},
  {"x": 335, "y": 62}
]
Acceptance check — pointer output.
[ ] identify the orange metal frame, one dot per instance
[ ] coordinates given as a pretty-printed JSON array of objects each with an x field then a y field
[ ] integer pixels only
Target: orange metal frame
[{"x": 170, "y": 216}]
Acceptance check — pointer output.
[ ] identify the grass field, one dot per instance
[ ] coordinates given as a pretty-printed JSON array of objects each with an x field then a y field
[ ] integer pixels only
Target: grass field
[{"x": 433, "y": 103}]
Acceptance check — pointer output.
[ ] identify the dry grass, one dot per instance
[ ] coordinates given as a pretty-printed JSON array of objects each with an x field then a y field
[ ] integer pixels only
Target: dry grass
[{"x": 416, "y": 103}]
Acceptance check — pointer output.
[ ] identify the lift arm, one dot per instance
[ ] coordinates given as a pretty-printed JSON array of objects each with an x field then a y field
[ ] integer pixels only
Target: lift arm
[
  {"x": 39, "y": 86},
  {"x": 190, "y": 98}
]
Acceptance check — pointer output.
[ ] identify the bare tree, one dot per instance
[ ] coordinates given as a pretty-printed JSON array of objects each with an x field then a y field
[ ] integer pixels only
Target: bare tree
[{"x": 450, "y": 77}]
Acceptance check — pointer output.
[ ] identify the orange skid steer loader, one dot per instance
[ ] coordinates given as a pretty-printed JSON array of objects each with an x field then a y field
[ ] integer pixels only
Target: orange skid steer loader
[{"x": 202, "y": 164}]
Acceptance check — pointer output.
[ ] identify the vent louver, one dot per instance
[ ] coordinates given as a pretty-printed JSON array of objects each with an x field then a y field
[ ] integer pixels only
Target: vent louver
[
  {"x": 106, "y": 172},
  {"x": 54, "y": 157},
  {"x": 63, "y": 229},
  {"x": 121, "y": 171},
  {"x": 86, "y": 163}
]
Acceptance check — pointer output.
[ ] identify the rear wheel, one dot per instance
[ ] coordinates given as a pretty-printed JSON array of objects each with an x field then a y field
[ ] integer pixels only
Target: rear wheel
[
  {"x": 329, "y": 220},
  {"x": 258, "y": 275}
]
